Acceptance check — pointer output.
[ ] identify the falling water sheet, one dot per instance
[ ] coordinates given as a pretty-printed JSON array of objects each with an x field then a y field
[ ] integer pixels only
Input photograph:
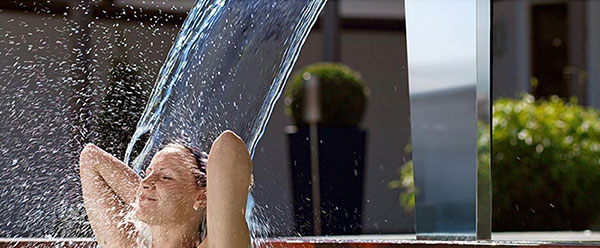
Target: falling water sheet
[{"x": 225, "y": 71}]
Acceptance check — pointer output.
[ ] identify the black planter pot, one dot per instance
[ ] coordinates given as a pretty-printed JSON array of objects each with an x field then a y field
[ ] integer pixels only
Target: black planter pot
[{"x": 341, "y": 163}]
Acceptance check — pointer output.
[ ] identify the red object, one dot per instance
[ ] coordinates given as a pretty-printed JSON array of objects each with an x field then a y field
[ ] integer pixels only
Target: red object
[{"x": 322, "y": 243}]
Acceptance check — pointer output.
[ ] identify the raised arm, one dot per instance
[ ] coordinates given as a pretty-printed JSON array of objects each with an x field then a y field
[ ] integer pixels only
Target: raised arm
[
  {"x": 119, "y": 177},
  {"x": 229, "y": 171},
  {"x": 108, "y": 187}
]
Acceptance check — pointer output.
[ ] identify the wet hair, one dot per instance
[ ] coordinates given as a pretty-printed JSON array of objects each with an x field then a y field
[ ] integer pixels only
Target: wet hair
[{"x": 201, "y": 159}]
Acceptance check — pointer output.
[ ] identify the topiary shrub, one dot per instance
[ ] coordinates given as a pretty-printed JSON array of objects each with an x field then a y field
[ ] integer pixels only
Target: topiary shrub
[
  {"x": 545, "y": 166},
  {"x": 343, "y": 95}
]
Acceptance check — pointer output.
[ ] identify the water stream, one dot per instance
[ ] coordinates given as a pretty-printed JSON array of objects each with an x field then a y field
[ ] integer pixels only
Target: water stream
[{"x": 226, "y": 70}]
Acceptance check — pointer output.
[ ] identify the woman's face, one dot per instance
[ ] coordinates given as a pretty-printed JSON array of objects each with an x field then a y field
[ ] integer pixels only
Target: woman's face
[{"x": 169, "y": 191}]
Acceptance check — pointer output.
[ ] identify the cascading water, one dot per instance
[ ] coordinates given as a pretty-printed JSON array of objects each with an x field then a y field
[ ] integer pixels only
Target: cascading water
[{"x": 225, "y": 71}]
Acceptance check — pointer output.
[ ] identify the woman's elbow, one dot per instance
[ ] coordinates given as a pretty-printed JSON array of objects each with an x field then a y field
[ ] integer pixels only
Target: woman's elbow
[
  {"x": 231, "y": 154},
  {"x": 229, "y": 139},
  {"x": 87, "y": 155}
]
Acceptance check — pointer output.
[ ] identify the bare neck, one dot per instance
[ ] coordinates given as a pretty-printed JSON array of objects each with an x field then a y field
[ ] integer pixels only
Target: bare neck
[{"x": 175, "y": 236}]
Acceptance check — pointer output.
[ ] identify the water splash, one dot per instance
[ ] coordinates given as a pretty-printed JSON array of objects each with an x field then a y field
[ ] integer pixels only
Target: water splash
[
  {"x": 48, "y": 111},
  {"x": 225, "y": 71}
]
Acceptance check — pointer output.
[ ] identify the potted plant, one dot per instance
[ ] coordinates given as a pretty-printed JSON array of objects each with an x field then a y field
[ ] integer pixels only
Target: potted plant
[{"x": 341, "y": 148}]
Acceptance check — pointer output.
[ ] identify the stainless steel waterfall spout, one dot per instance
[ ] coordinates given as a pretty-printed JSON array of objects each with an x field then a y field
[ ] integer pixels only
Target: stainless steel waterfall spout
[
  {"x": 312, "y": 115},
  {"x": 448, "y": 45}
]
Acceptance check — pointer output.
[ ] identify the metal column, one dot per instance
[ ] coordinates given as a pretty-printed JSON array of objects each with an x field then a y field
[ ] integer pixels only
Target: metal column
[{"x": 448, "y": 45}]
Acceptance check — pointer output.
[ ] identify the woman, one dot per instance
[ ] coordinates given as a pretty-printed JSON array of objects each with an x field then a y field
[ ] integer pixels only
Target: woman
[{"x": 173, "y": 199}]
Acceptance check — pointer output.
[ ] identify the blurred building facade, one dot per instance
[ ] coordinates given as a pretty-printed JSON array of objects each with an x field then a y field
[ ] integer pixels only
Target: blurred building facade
[{"x": 547, "y": 47}]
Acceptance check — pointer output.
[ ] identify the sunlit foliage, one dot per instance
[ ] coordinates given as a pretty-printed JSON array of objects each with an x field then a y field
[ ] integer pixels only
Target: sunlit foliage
[{"x": 545, "y": 165}]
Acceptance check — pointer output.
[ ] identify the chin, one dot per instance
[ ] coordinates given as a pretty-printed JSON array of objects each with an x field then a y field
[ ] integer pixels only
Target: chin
[{"x": 145, "y": 215}]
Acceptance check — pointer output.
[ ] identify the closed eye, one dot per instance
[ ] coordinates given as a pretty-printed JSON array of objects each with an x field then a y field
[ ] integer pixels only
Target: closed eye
[{"x": 166, "y": 178}]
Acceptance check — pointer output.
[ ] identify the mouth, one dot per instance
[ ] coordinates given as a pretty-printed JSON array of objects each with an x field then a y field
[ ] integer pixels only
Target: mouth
[{"x": 147, "y": 198}]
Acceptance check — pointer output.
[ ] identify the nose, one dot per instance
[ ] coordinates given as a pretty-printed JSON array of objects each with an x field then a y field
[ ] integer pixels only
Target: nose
[{"x": 148, "y": 182}]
